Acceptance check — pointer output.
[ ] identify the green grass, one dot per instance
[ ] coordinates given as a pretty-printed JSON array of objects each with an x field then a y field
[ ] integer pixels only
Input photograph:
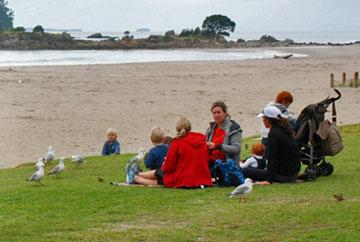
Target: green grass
[{"x": 77, "y": 207}]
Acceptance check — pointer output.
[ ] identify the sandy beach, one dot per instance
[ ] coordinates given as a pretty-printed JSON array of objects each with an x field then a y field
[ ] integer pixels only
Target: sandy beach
[{"x": 70, "y": 107}]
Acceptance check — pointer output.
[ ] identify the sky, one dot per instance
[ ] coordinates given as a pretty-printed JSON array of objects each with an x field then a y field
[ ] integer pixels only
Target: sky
[{"x": 161, "y": 15}]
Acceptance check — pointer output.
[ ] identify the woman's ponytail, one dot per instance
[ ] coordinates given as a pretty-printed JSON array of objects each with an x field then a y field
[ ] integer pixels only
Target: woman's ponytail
[{"x": 183, "y": 126}]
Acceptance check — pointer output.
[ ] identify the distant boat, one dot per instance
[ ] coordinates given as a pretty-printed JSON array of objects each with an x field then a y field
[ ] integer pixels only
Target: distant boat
[{"x": 143, "y": 30}]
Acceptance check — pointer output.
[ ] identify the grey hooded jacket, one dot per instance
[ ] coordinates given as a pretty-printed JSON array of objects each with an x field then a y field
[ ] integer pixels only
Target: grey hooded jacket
[{"x": 232, "y": 140}]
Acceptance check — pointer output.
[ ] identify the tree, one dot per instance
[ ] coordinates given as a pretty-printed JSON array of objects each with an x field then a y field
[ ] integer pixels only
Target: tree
[
  {"x": 127, "y": 36},
  {"x": 6, "y": 15},
  {"x": 38, "y": 29},
  {"x": 197, "y": 31},
  {"x": 186, "y": 32},
  {"x": 268, "y": 39},
  {"x": 218, "y": 25},
  {"x": 170, "y": 33},
  {"x": 19, "y": 29}
]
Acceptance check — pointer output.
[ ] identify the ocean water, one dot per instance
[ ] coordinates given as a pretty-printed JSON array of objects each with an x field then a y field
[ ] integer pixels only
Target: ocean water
[{"x": 89, "y": 57}]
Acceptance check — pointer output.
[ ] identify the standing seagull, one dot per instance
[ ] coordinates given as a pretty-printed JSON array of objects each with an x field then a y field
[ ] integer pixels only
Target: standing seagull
[
  {"x": 38, "y": 175},
  {"x": 50, "y": 155},
  {"x": 78, "y": 159},
  {"x": 242, "y": 190},
  {"x": 60, "y": 167},
  {"x": 39, "y": 163}
]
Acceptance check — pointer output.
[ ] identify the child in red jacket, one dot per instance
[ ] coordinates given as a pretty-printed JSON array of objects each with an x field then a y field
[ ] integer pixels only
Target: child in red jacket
[{"x": 186, "y": 164}]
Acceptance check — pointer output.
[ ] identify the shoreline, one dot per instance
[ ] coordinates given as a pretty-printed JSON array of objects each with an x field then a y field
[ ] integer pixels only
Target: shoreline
[
  {"x": 70, "y": 107},
  {"x": 87, "y": 57}
]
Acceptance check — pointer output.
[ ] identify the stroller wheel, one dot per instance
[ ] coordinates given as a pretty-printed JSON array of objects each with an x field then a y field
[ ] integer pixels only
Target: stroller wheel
[
  {"x": 326, "y": 168},
  {"x": 310, "y": 173}
]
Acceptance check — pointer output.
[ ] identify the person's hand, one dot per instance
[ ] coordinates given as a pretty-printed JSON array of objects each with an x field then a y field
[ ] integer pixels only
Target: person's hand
[{"x": 211, "y": 145}]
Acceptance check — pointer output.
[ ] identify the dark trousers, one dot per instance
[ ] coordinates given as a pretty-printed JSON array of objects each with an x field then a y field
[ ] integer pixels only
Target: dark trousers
[{"x": 263, "y": 175}]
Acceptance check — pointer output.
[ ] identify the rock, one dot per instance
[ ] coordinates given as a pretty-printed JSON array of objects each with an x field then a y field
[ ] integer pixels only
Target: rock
[{"x": 98, "y": 36}]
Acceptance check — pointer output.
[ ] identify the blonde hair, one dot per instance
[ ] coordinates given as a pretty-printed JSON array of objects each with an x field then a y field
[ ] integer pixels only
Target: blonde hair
[
  {"x": 111, "y": 131},
  {"x": 183, "y": 126},
  {"x": 157, "y": 135}
]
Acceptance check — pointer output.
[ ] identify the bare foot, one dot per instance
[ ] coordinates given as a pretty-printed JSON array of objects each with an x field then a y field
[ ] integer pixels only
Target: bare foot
[{"x": 263, "y": 183}]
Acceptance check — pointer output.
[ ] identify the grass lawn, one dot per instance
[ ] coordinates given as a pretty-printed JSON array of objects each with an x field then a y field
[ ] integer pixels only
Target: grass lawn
[{"x": 77, "y": 207}]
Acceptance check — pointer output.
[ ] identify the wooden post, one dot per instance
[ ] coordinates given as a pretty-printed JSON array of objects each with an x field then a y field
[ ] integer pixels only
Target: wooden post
[
  {"x": 344, "y": 78},
  {"x": 356, "y": 79},
  {"x": 332, "y": 81}
]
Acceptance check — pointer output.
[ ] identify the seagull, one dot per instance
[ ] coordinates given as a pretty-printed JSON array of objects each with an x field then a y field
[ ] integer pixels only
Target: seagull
[
  {"x": 50, "y": 155},
  {"x": 60, "y": 167},
  {"x": 78, "y": 159},
  {"x": 242, "y": 190},
  {"x": 137, "y": 159},
  {"x": 134, "y": 164},
  {"x": 38, "y": 175},
  {"x": 39, "y": 163}
]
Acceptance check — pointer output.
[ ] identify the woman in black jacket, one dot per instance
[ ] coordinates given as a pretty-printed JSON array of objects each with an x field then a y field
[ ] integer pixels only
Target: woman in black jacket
[{"x": 283, "y": 154}]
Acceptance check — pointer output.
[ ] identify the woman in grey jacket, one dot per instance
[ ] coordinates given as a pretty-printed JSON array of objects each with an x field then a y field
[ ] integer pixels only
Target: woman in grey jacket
[{"x": 224, "y": 136}]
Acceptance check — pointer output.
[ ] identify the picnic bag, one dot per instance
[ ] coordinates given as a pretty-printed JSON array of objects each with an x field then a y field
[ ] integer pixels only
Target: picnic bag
[{"x": 227, "y": 173}]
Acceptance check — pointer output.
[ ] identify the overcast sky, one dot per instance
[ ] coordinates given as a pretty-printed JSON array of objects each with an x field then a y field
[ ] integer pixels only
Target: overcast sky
[{"x": 250, "y": 15}]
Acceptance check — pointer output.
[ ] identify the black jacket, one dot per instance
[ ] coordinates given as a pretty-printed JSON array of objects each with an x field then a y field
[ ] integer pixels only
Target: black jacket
[{"x": 283, "y": 154}]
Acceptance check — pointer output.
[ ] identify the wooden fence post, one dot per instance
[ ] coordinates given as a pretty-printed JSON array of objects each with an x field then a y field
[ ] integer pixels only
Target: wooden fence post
[
  {"x": 332, "y": 82},
  {"x": 344, "y": 78},
  {"x": 356, "y": 79}
]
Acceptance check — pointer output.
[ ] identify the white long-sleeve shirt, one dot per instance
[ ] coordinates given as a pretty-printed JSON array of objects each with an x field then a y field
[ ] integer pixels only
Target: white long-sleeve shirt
[{"x": 251, "y": 162}]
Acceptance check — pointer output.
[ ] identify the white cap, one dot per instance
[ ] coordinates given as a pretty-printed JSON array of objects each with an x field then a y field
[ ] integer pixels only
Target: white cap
[{"x": 270, "y": 112}]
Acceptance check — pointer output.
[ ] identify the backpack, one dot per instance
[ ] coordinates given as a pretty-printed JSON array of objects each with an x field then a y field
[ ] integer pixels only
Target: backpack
[
  {"x": 227, "y": 173},
  {"x": 331, "y": 141}
]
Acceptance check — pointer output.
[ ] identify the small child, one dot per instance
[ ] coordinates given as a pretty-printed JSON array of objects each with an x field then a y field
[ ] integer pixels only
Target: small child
[
  {"x": 168, "y": 140},
  {"x": 156, "y": 156},
  {"x": 111, "y": 146},
  {"x": 256, "y": 160}
]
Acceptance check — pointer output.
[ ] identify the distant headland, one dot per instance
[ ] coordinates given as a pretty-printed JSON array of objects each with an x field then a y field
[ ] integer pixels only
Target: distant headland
[{"x": 211, "y": 35}]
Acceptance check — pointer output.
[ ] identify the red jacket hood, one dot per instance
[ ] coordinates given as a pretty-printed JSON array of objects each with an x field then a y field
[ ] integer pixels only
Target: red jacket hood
[{"x": 196, "y": 140}]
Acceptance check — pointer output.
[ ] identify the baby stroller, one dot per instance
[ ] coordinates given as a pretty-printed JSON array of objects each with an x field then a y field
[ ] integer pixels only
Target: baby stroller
[{"x": 311, "y": 143}]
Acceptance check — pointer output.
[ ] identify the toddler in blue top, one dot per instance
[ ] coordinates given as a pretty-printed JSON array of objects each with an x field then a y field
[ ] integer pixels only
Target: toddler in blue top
[
  {"x": 156, "y": 156},
  {"x": 111, "y": 146}
]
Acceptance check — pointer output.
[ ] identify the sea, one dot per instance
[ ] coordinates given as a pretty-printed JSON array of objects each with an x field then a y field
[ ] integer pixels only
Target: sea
[{"x": 92, "y": 57}]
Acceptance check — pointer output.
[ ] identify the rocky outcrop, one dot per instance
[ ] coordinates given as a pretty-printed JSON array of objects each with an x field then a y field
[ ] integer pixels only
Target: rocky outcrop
[{"x": 64, "y": 41}]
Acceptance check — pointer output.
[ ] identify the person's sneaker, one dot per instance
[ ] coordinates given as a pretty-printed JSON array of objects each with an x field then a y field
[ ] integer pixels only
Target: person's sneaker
[
  {"x": 131, "y": 177},
  {"x": 127, "y": 172},
  {"x": 136, "y": 168}
]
